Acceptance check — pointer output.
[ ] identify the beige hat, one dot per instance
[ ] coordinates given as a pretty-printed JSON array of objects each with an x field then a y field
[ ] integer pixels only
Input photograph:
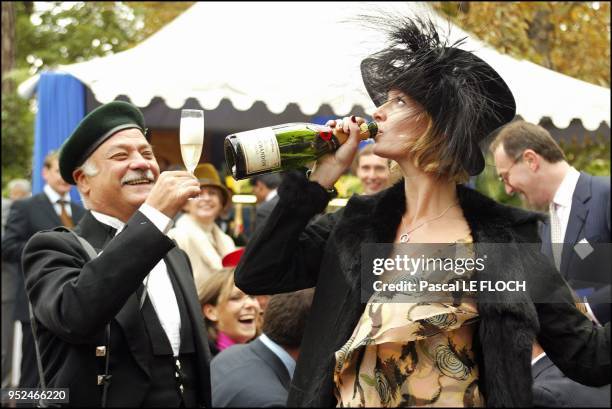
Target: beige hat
[{"x": 207, "y": 176}]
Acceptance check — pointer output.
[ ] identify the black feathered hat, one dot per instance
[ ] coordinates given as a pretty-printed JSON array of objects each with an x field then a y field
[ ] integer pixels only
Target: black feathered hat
[{"x": 465, "y": 97}]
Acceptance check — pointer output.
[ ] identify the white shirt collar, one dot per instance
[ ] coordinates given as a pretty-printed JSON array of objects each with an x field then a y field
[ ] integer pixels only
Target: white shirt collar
[
  {"x": 271, "y": 195},
  {"x": 563, "y": 195},
  {"x": 109, "y": 221},
  {"x": 160, "y": 220},
  {"x": 537, "y": 358},
  {"x": 280, "y": 352},
  {"x": 53, "y": 196}
]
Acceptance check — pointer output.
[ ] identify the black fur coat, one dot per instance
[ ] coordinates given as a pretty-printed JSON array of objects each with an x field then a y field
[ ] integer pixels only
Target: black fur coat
[{"x": 294, "y": 251}]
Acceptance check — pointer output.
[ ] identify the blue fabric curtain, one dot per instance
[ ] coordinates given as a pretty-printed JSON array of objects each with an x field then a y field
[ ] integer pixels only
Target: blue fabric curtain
[{"x": 61, "y": 106}]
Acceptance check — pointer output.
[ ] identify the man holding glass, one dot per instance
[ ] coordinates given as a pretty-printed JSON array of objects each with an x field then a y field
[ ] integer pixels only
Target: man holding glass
[{"x": 123, "y": 327}]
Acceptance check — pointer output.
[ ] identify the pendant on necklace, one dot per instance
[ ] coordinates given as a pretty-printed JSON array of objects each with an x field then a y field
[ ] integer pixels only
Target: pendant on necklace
[{"x": 404, "y": 238}]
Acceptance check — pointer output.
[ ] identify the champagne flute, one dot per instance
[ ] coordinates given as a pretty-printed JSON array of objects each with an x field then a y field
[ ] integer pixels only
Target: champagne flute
[{"x": 191, "y": 137}]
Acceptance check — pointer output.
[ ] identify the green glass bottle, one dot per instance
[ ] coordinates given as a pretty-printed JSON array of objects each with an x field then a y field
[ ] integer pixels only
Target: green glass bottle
[{"x": 283, "y": 147}]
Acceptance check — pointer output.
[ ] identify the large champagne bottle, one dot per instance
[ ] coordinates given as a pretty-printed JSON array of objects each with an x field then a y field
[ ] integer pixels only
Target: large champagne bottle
[{"x": 283, "y": 147}]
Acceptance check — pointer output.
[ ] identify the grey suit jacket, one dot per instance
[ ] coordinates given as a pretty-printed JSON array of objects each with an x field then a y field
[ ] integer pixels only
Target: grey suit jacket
[
  {"x": 249, "y": 375},
  {"x": 263, "y": 211},
  {"x": 553, "y": 389}
]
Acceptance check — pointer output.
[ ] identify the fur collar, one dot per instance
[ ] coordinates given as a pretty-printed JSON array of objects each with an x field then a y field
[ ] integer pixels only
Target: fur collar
[
  {"x": 374, "y": 219},
  {"x": 487, "y": 218}
]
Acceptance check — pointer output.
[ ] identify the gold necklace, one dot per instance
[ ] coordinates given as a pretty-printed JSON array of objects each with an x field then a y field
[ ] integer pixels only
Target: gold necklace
[{"x": 405, "y": 238}]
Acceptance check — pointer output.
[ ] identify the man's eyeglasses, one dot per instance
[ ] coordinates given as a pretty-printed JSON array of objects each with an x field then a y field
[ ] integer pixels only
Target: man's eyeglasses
[{"x": 504, "y": 177}]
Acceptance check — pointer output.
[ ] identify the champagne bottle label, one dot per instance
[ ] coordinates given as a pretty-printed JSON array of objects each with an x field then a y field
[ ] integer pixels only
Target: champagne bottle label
[{"x": 260, "y": 149}]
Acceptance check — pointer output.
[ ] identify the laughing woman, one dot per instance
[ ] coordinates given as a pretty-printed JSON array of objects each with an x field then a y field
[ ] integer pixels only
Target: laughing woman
[
  {"x": 230, "y": 315},
  {"x": 436, "y": 103}
]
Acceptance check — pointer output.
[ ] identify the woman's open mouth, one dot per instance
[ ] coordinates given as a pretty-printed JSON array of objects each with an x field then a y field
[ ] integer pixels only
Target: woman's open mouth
[{"x": 247, "y": 319}]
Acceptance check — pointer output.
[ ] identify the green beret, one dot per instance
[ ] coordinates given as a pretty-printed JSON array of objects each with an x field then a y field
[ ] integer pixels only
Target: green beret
[{"x": 99, "y": 125}]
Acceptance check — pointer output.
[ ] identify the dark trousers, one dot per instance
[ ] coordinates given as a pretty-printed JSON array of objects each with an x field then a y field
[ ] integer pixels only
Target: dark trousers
[
  {"x": 7, "y": 342},
  {"x": 29, "y": 370},
  {"x": 9, "y": 284}
]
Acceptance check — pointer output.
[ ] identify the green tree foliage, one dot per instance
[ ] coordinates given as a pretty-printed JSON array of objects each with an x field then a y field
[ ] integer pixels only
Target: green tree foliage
[
  {"x": 73, "y": 32},
  {"x": 156, "y": 14},
  {"x": 569, "y": 37},
  {"x": 17, "y": 138},
  {"x": 69, "y": 32},
  {"x": 591, "y": 156}
]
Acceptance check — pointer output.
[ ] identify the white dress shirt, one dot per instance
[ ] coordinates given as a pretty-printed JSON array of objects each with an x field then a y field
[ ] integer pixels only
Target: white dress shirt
[
  {"x": 563, "y": 198},
  {"x": 53, "y": 197},
  {"x": 537, "y": 358},
  {"x": 280, "y": 352},
  {"x": 271, "y": 195},
  {"x": 157, "y": 282}
]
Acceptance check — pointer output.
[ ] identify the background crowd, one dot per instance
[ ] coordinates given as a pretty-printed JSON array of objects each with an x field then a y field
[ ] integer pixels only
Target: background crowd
[{"x": 255, "y": 340}]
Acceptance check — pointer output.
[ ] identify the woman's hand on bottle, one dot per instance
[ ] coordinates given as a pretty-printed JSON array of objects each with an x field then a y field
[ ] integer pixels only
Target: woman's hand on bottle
[{"x": 329, "y": 168}]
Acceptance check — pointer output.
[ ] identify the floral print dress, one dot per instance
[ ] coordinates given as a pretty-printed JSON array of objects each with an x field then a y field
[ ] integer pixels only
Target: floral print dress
[{"x": 410, "y": 354}]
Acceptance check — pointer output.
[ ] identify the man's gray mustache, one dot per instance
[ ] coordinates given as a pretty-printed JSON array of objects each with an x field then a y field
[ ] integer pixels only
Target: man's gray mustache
[{"x": 137, "y": 175}]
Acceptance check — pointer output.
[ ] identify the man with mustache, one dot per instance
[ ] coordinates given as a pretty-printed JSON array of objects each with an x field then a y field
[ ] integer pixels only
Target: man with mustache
[{"x": 122, "y": 328}]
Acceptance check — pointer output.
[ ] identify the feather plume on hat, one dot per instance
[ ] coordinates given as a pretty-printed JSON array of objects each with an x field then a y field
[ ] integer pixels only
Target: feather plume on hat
[{"x": 465, "y": 97}]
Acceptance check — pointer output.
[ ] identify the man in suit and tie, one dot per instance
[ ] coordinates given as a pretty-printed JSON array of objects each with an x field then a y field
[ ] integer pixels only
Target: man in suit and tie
[
  {"x": 258, "y": 374},
  {"x": 122, "y": 327},
  {"x": 531, "y": 163},
  {"x": 264, "y": 189},
  {"x": 43, "y": 211}
]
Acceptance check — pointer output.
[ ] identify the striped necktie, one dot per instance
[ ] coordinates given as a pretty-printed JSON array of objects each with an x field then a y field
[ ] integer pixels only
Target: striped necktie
[
  {"x": 64, "y": 217},
  {"x": 555, "y": 235}
]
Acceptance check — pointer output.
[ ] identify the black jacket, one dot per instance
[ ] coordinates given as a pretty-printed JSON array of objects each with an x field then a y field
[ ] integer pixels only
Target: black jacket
[
  {"x": 552, "y": 389},
  {"x": 27, "y": 217},
  {"x": 73, "y": 300},
  {"x": 289, "y": 254}
]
